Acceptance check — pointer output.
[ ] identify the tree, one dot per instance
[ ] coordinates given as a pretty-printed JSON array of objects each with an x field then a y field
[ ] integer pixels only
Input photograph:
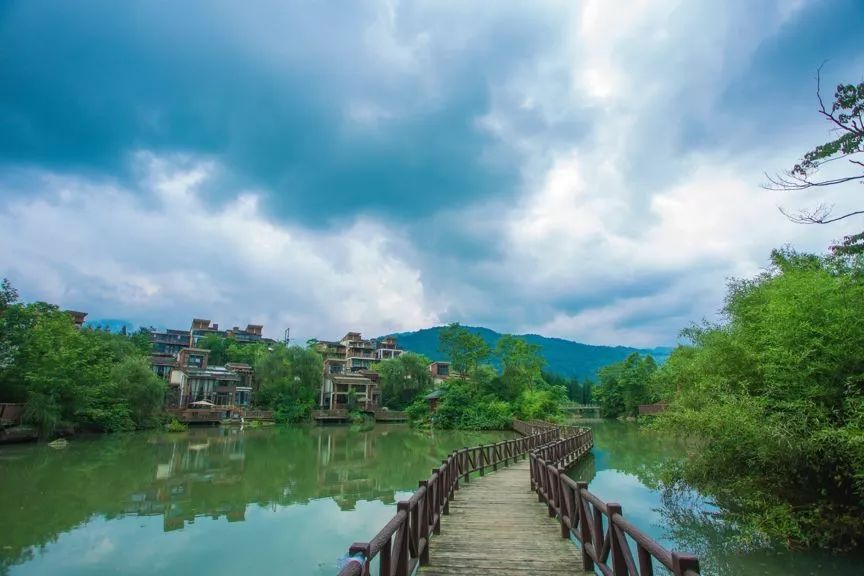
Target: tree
[
  {"x": 625, "y": 385},
  {"x": 289, "y": 379},
  {"x": 8, "y": 295},
  {"x": 522, "y": 365},
  {"x": 73, "y": 378},
  {"x": 218, "y": 347},
  {"x": 773, "y": 399},
  {"x": 846, "y": 116},
  {"x": 463, "y": 348},
  {"x": 403, "y": 378},
  {"x": 587, "y": 391},
  {"x": 136, "y": 386}
]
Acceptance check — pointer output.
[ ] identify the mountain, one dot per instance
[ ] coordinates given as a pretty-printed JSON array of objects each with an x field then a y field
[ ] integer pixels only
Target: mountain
[
  {"x": 115, "y": 325},
  {"x": 563, "y": 357}
]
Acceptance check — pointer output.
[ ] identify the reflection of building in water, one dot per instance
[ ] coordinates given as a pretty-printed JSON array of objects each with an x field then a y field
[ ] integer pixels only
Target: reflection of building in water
[
  {"x": 191, "y": 481},
  {"x": 344, "y": 465}
]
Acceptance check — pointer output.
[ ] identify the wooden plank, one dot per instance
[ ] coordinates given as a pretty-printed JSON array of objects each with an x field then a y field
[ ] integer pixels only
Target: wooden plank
[{"x": 497, "y": 526}]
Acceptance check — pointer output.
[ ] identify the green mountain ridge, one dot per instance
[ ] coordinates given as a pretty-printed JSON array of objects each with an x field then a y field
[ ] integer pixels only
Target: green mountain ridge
[{"x": 563, "y": 357}]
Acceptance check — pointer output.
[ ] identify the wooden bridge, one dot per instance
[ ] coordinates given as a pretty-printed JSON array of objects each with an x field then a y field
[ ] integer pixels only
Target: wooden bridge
[
  {"x": 478, "y": 513},
  {"x": 583, "y": 409}
]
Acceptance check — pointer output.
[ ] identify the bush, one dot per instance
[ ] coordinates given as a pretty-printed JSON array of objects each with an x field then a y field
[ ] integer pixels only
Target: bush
[{"x": 175, "y": 425}]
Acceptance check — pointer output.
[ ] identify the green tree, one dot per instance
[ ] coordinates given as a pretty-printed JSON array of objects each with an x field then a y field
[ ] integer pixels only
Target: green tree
[
  {"x": 289, "y": 379},
  {"x": 136, "y": 386},
  {"x": 773, "y": 397},
  {"x": 587, "y": 392},
  {"x": 218, "y": 347},
  {"x": 463, "y": 348},
  {"x": 522, "y": 365},
  {"x": 403, "y": 378},
  {"x": 67, "y": 377},
  {"x": 623, "y": 386}
]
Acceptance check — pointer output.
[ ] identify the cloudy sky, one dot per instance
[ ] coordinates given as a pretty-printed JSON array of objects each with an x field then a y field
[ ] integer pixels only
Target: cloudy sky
[{"x": 587, "y": 169}]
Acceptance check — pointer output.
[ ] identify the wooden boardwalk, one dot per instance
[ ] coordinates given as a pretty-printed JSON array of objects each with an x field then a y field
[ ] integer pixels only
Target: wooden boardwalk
[{"x": 497, "y": 526}]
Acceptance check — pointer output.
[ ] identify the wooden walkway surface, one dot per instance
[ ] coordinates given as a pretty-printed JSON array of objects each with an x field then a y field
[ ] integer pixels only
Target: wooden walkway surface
[{"x": 497, "y": 526}]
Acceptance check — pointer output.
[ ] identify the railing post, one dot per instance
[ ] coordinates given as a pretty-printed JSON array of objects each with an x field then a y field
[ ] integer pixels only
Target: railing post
[
  {"x": 414, "y": 525},
  {"x": 361, "y": 548},
  {"x": 445, "y": 470},
  {"x": 455, "y": 462},
  {"x": 551, "y": 488},
  {"x": 562, "y": 505},
  {"x": 619, "y": 568},
  {"x": 482, "y": 458},
  {"x": 402, "y": 560},
  {"x": 681, "y": 563},
  {"x": 584, "y": 527},
  {"x": 424, "y": 524},
  {"x": 465, "y": 467}
]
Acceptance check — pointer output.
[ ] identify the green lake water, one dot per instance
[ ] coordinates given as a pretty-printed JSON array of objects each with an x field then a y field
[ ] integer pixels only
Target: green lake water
[{"x": 225, "y": 501}]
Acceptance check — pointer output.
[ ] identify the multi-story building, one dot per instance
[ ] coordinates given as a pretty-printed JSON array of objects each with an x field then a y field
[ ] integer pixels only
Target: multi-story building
[
  {"x": 202, "y": 328},
  {"x": 170, "y": 342},
  {"x": 192, "y": 380},
  {"x": 387, "y": 349},
  {"x": 167, "y": 345},
  {"x": 347, "y": 366},
  {"x": 338, "y": 388},
  {"x": 252, "y": 333}
]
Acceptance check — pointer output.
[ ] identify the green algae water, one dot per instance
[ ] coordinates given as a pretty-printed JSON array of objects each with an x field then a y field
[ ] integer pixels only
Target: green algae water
[
  {"x": 226, "y": 501},
  {"x": 624, "y": 467},
  {"x": 215, "y": 501}
]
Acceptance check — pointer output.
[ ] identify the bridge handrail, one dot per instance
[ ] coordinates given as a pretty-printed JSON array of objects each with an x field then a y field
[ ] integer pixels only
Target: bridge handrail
[
  {"x": 404, "y": 540},
  {"x": 582, "y": 514}
]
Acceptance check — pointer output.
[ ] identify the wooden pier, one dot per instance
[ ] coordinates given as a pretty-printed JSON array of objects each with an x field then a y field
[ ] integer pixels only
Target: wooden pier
[
  {"x": 527, "y": 517},
  {"x": 495, "y": 526}
]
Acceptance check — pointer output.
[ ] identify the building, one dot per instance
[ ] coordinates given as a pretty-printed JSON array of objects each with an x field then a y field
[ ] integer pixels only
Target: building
[
  {"x": 201, "y": 329},
  {"x": 338, "y": 388},
  {"x": 161, "y": 364},
  {"x": 167, "y": 345},
  {"x": 192, "y": 380},
  {"x": 440, "y": 371},
  {"x": 433, "y": 398},
  {"x": 387, "y": 349},
  {"x": 252, "y": 333},
  {"x": 353, "y": 353},
  {"x": 77, "y": 317},
  {"x": 170, "y": 342},
  {"x": 348, "y": 366}
]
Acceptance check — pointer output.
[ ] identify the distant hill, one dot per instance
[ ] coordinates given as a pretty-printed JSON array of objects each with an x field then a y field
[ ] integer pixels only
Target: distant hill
[
  {"x": 563, "y": 357},
  {"x": 115, "y": 325}
]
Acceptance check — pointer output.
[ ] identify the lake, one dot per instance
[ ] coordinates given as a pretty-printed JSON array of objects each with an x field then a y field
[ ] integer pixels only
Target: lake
[{"x": 291, "y": 500}]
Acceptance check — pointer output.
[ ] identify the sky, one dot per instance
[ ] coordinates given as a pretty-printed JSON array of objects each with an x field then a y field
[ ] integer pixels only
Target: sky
[{"x": 582, "y": 169}]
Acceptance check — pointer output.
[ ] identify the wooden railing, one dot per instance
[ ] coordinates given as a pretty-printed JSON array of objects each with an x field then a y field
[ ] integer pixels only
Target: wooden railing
[
  {"x": 404, "y": 540},
  {"x": 252, "y": 414},
  {"x": 600, "y": 527}
]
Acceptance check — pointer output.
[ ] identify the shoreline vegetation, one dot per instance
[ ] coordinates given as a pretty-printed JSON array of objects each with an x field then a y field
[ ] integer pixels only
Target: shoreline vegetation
[{"x": 771, "y": 399}]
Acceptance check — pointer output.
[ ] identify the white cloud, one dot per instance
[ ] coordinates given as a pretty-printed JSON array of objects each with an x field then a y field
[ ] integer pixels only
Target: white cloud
[{"x": 164, "y": 255}]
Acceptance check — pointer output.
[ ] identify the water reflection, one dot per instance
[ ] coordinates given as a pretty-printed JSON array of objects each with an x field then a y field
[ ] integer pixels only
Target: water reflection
[{"x": 337, "y": 482}]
